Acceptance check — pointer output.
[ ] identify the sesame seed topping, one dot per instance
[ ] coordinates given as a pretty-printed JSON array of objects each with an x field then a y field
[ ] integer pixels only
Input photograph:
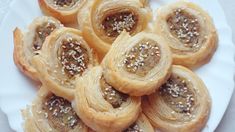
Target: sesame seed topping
[
  {"x": 142, "y": 57},
  {"x": 185, "y": 27},
  {"x": 73, "y": 57},
  {"x": 64, "y": 3},
  {"x": 114, "y": 24},
  {"x": 134, "y": 128},
  {"x": 114, "y": 97},
  {"x": 178, "y": 95},
  {"x": 41, "y": 32},
  {"x": 59, "y": 112}
]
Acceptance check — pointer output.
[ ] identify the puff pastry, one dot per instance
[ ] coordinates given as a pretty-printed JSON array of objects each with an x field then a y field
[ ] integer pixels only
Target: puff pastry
[
  {"x": 29, "y": 123},
  {"x": 64, "y": 55},
  {"x": 104, "y": 20},
  {"x": 52, "y": 113},
  {"x": 182, "y": 104},
  {"x": 137, "y": 65},
  {"x": 102, "y": 107},
  {"x": 64, "y": 10},
  {"x": 141, "y": 125},
  {"x": 26, "y": 45},
  {"x": 190, "y": 32}
]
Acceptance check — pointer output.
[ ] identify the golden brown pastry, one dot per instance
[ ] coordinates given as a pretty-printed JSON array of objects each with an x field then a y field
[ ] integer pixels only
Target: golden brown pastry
[
  {"x": 29, "y": 123},
  {"x": 104, "y": 20},
  {"x": 137, "y": 65},
  {"x": 182, "y": 104},
  {"x": 141, "y": 125},
  {"x": 52, "y": 113},
  {"x": 101, "y": 107},
  {"x": 64, "y": 55},
  {"x": 27, "y": 45},
  {"x": 64, "y": 10},
  {"x": 190, "y": 32}
]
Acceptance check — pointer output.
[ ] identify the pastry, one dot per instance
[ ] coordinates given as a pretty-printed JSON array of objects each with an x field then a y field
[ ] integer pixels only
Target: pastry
[
  {"x": 26, "y": 45},
  {"x": 190, "y": 32},
  {"x": 102, "y": 107},
  {"x": 64, "y": 55},
  {"x": 29, "y": 123},
  {"x": 64, "y": 10},
  {"x": 52, "y": 113},
  {"x": 137, "y": 65},
  {"x": 141, "y": 125},
  {"x": 182, "y": 104},
  {"x": 105, "y": 19}
]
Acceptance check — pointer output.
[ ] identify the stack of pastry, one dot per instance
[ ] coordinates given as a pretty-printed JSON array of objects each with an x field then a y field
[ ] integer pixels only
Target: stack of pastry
[{"x": 119, "y": 69}]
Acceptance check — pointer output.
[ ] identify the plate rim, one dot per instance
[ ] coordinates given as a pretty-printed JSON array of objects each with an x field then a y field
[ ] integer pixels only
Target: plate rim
[{"x": 229, "y": 36}]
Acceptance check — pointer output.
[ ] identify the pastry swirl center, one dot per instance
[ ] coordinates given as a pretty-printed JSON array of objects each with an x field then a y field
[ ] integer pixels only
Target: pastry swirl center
[
  {"x": 143, "y": 57},
  {"x": 114, "y": 97},
  {"x": 41, "y": 33},
  {"x": 113, "y": 24},
  {"x": 65, "y": 3},
  {"x": 73, "y": 56},
  {"x": 60, "y": 113},
  {"x": 185, "y": 27},
  {"x": 134, "y": 128},
  {"x": 177, "y": 94}
]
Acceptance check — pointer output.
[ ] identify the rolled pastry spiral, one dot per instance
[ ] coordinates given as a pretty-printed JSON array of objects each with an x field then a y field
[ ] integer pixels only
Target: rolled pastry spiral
[
  {"x": 29, "y": 123},
  {"x": 137, "y": 65},
  {"x": 104, "y": 20},
  {"x": 102, "y": 107},
  {"x": 64, "y": 10},
  {"x": 182, "y": 104},
  {"x": 189, "y": 30},
  {"x": 141, "y": 125},
  {"x": 49, "y": 112},
  {"x": 27, "y": 45},
  {"x": 64, "y": 55}
]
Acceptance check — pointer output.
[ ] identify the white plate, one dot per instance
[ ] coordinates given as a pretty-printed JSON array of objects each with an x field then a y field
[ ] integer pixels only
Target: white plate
[{"x": 17, "y": 91}]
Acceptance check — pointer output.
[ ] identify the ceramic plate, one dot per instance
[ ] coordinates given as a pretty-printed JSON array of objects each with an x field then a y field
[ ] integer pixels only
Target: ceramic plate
[{"x": 17, "y": 91}]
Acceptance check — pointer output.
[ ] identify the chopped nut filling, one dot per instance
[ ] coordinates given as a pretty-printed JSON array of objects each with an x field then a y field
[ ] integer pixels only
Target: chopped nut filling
[
  {"x": 114, "y": 24},
  {"x": 60, "y": 113},
  {"x": 41, "y": 33},
  {"x": 114, "y": 97},
  {"x": 178, "y": 95},
  {"x": 65, "y": 3},
  {"x": 185, "y": 27},
  {"x": 73, "y": 56},
  {"x": 142, "y": 57},
  {"x": 134, "y": 128}
]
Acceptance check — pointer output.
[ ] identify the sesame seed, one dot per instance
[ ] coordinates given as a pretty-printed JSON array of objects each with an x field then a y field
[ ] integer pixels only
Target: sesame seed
[
  {"x": 58, "y": 107},
  {"x": 74, "y": 57},
  {"x": 185, "y": 27},
  {"x": 114, "y": 97},
  {"x": 41, "y": 32},
  {"x": 141, "y": 56},
  {"x": 176, "y": 92},
  {"x": 46, "y": 115},
  {"x": 64, "y": 3},
  {"x": 114, "y": 24},
  {"x": 134, "y": 128}
]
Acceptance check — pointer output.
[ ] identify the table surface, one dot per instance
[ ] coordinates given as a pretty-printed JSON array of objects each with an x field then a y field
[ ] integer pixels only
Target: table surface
[{"x": 228, "y": 122}]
